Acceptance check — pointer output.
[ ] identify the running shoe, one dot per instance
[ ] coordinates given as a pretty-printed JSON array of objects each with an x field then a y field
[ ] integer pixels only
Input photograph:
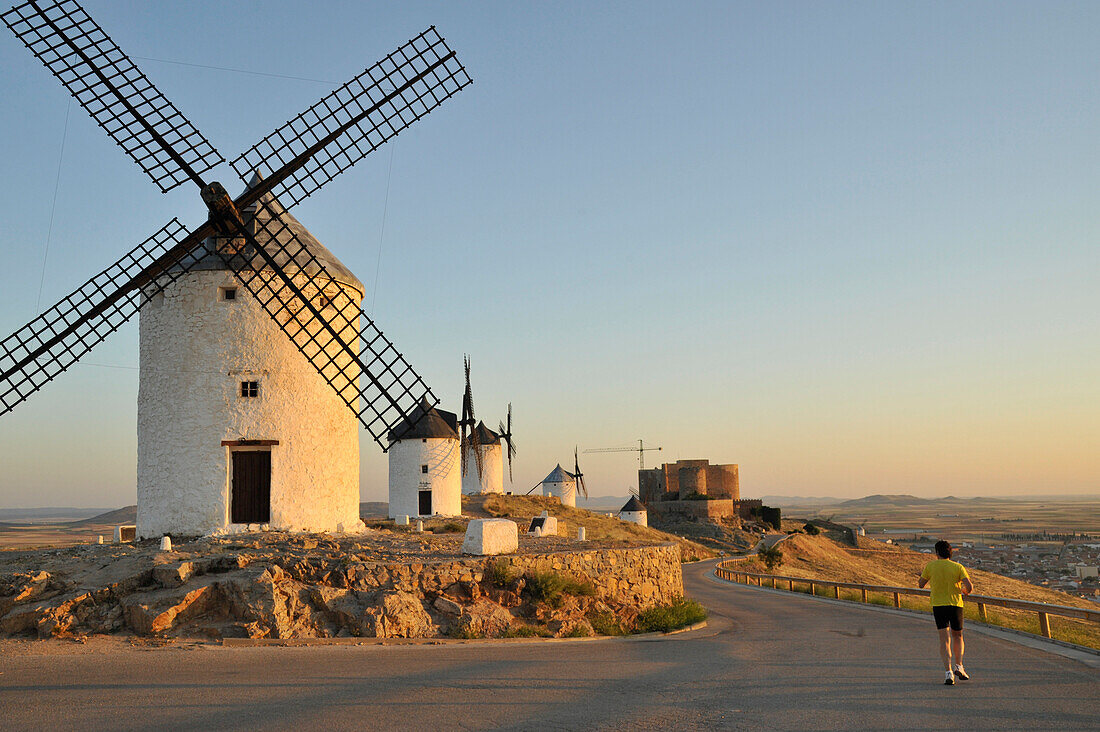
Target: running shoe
[
  {"x": 960, "y": 672},
  {"x": 949, "y": 679}
]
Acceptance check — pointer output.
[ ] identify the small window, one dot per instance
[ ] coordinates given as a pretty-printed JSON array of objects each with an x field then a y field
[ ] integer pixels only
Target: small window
[
  {"x": 250, "y": 388},
  {"x": 423, "y": 468},
  {"x": 228, "y": 293}
]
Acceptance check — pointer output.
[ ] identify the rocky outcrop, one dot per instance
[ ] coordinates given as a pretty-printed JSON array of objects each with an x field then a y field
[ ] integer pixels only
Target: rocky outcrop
[{"x": 313, "y": 593}]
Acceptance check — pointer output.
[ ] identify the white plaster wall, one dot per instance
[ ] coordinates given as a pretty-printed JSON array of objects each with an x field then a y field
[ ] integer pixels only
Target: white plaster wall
[
  {"x": 635, "y": 517},
  {"x": 195, "y": 349},
  {"x": 440, "y": 454},
  {"x": 492, "y": 471},
  {"x": 565, "y": 491}
]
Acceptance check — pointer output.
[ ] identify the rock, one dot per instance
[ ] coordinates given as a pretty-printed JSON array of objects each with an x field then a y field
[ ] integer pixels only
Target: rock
[
  {"x": 447, "y": 607},
  {"x": 488, "y": 537},
  {"x": 485, "y": 619},
  {"x": 174, "y": 574},
  {"x": 158, "y": 612},
  {"x": 401, "y": 615},
  {"x": 22, "y": 587}
]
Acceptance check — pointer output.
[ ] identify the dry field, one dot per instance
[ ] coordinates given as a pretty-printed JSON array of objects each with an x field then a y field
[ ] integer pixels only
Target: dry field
[{"x": 961, "y": 518}]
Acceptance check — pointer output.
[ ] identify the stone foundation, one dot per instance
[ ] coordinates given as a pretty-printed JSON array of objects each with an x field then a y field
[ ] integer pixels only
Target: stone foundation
[{"x": 328, "y": 594}]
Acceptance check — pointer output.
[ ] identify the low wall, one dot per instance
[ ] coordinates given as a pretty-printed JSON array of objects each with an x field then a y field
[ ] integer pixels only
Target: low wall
[{"x": 712, "y": 510}]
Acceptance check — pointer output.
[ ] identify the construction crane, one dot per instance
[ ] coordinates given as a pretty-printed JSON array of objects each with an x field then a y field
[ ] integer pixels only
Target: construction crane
[{"x": 641, "y": 449}]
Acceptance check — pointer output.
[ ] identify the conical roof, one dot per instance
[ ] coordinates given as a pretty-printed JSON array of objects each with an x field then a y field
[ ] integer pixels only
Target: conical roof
[
  {"x": 633, "y": 505},
  {"x": 486, "y": 436},
  {"x": 428, "y": 422},
  {"x": 308, "y": 253},
  {"x": 559, "y": 475}
]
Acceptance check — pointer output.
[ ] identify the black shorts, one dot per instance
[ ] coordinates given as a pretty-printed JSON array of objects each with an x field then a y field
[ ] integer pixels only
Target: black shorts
[{"x": 948, "y": 614}]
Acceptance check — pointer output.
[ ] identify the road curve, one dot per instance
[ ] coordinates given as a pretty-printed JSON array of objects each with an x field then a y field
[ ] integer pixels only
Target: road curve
[{"x": 765, "y": 661}]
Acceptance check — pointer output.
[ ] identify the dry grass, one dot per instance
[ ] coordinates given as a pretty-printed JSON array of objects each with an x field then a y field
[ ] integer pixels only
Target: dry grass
[{"x": 823, "y": 558}]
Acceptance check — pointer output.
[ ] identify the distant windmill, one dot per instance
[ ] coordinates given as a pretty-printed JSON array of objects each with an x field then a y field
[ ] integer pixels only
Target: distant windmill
[
  {"x": 252, "y": 237},
  {"x": 469, "y": 439},
  {"x": 578, "y": 475},
  {"x": 506, "y": 435}
]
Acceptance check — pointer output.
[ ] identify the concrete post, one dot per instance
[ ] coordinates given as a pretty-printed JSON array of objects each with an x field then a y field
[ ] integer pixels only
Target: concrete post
[
  {"x": 420, "y": 526},
  {"x": 580, "y": 533},
  {"x": 166, "y": 543}
]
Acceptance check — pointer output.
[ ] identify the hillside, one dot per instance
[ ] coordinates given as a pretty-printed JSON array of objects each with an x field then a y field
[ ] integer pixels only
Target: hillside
[
  {"x": 825, "y": 558},
  {"x": 598, "y": 527}
]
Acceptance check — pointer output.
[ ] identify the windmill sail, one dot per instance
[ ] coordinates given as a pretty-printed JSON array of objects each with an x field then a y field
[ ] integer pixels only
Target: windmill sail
[
  {"x": 113, "y": 90},
  {"x": 356, "y": 119},
  {"x": 325, "y": 323},
  {"x": 48, "y": 345},
  {"x": 309, "y": 151}
]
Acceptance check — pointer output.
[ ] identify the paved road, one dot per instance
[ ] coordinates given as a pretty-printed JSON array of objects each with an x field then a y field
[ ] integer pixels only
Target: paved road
[{"x": 766, "y": 661}]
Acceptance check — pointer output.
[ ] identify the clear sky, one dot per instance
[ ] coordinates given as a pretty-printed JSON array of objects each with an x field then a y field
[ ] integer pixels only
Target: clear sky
[{"x": 849, "y": 246}]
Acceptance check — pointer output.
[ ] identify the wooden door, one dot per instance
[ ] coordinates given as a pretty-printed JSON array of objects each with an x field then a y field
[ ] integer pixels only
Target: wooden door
[
  {"x": 251, "y": 500},
  {"x": 425, "y": 503}
]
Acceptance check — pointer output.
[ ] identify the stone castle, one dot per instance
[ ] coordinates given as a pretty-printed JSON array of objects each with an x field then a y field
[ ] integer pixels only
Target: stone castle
[{"x": 696, "y": 490}]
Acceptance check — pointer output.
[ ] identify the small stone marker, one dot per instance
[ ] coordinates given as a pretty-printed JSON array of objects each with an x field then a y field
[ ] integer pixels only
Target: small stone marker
[
  {"x": 543, "y": 526},
  {"x": 487, "y": 537},
  {"x": 420, "y": 526},
  {"x": 166, "y": 543},
  {"x": 99, "y": 539},
  {"x": 580, "y": 533},
  {"x": 402, "y": 520}
]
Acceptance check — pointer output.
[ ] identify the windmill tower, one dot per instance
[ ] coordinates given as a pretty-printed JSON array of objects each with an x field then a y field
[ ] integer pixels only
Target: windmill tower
[
  {"x": 259, "y": 419},
  {"x": 482, "y": 454},
  {"x": 564, "y": 485},
  {"x": 234, "y": 426},
  {"x": 484, "y": 474},
  {"x": 424, "y": 465}
]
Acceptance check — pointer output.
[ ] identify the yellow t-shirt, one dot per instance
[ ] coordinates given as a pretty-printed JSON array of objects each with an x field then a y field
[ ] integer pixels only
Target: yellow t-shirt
[{"x": 944, "y": 578}]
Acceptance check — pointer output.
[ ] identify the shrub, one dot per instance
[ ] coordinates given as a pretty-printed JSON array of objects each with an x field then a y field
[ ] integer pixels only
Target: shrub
[
  {"x": 679, "y": 614},
  {"x": 811, "y": 529},
  {"x": 771, "y": 557},
  {"x": 451, "y": 527},
  {"x": 548, "y": 587},
  {"x": 606, "y": 623},
  {"x": 527, "y": 631},
  {"x": 463, "y": 631},
  {"x": 578, "y": 631},
  {"x": 499, "y": 573}
]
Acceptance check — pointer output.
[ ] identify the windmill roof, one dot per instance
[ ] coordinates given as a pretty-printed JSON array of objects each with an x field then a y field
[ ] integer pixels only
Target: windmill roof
[
  {"x": 633, "y": 505},
  {"x": 428, "y": 422},
  {"x": 559, "y": 475},
  {"x": 208, "y": 258},
  {"x": 486, "y": 436}
]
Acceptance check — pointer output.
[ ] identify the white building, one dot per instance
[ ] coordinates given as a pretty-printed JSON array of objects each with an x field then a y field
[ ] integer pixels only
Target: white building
[
  {"x": 424, "y": 465},
  {"x": 562, "y": 484},
  {"x": 236, "y": 429},
  {"x": 491, "y": 477},
  {"x": 634, "y": 512}
]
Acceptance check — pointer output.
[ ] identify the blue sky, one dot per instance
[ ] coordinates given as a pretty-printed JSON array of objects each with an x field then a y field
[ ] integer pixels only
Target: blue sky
[{"x": 851, "y": 247}]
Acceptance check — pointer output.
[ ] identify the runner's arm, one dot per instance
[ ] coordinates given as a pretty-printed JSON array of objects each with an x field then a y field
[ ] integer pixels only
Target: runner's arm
[{"x": 967, "y": 586}]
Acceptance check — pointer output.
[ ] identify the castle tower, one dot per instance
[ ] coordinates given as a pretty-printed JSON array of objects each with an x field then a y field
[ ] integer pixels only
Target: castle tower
[{"x": 236, "y": 429}]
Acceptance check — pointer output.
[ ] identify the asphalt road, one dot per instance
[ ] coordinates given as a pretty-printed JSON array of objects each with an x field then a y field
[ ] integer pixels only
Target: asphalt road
[{"x": 766, "y": 661}]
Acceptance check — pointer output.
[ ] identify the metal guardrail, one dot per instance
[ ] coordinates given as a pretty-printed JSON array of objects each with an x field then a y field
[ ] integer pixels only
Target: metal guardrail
[{"x": 1043, "y": 609}]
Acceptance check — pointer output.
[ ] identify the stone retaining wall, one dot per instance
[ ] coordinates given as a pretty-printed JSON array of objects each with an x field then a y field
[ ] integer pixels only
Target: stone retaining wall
[{"x": 639, "y": 576}]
